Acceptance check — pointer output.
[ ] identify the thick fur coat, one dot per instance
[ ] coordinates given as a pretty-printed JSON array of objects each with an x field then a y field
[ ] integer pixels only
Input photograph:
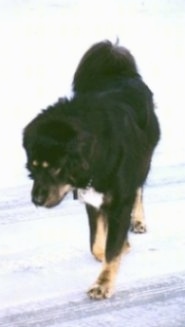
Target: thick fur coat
[{"x": 103, "y": 138}]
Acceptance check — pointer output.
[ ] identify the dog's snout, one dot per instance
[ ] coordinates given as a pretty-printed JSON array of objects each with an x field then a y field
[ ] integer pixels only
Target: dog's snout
[
  {"x": 38, "y": 200},
  {"x": 39, "y": 195}
]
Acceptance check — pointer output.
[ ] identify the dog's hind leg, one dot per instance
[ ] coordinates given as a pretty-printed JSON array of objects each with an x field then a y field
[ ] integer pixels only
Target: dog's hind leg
[
  {"x": 98, "y": 230},
  {"x": 137, "y": 217}
]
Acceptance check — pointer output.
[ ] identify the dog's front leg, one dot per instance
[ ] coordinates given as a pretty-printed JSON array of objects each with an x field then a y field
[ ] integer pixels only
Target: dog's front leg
[
  {"x": 118, "y": 225},
  {"x": 98, "y": 230}
]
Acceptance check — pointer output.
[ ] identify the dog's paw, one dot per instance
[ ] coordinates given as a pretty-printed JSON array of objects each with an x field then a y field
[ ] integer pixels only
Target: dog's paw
[
  {"x": 138, "y": 227},
  {"x": 100, "y": 291},
  {"x": 99, "y": 255}
]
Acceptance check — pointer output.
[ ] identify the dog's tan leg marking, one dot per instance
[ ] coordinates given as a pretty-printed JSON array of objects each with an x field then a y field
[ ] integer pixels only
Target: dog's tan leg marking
[
  {"x": 137, "y": 218},
  {"x": 98, "y": 248},
  {"x": 104, "y": 285}
]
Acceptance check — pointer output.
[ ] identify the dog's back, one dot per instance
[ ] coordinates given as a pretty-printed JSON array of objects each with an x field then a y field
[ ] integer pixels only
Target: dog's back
[
  {"x": 102, "y": 63},
  {"x": 112, "y": 69}
]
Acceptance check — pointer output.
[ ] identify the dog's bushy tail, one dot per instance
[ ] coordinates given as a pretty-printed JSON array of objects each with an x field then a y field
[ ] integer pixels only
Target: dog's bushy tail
[{"x": 101, "y": 63}]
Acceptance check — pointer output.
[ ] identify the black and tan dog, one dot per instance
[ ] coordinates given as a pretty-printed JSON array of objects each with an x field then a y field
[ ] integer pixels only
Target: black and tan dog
[{"x": 102, "y": 139}]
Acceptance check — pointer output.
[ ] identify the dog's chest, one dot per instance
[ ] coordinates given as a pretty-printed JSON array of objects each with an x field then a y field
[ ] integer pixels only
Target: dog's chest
[{"x": 90, "y": 196}]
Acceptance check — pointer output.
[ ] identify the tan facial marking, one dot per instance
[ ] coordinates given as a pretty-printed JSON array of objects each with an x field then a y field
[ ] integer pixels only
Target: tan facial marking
[
  {"x": 64, "y": 189},
  {"x": 35, "y": 163},
  {"x": 45, "y": 164},
  {"x": 57, "y": 194},
  {"x": 55, "y": 172}
]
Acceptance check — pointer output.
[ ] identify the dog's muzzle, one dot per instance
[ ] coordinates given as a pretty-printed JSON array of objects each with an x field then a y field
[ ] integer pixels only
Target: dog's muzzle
[{"x": 49, "y": 196}]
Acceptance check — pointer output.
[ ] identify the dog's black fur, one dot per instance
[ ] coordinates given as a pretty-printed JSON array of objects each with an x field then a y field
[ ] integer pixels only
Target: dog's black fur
[{"x": 104, "y": 136}]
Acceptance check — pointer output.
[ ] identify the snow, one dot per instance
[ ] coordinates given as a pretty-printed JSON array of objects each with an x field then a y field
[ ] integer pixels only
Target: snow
[
  {"x": 44, "y": 254},
  {"x": 42, "y": 42}
]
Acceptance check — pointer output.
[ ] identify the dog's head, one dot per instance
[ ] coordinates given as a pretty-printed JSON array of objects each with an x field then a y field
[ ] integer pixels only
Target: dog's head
[{"x": 53, "y": 159}]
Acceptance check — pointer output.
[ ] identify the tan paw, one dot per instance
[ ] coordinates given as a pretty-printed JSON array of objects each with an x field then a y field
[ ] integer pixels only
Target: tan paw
[
  {"x": 99, "y": 256},
  {"x": 138, "y": 227},
  {"x": 99, "y": 251},
  {"x": 100, "y": 291}
]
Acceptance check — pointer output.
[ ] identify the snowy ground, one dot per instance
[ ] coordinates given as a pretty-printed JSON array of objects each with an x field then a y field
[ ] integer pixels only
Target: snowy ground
[{"x": 44, "y": 269}]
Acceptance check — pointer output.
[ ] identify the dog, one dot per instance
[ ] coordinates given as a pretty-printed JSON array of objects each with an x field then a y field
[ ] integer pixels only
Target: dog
[{"x": 100, "y": 140}]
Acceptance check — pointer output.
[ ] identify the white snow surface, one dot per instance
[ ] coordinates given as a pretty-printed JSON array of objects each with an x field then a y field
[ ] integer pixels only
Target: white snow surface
[
  {"x": 42, "y": 42},
  {"x": 44, "y": 254}
]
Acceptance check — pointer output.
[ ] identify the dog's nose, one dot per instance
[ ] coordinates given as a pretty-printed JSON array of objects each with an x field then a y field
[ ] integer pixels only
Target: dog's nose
[{"x": 38, "y": 200}]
